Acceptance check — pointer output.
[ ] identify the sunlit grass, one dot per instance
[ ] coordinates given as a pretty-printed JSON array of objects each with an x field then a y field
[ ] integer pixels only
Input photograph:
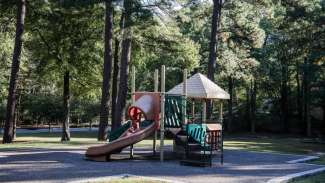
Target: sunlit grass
[
  {"x": 281, "y": 145},
  {"x": 320, "y": 161},
  {"x": 53, "y": 141},
  {"x": 86, "y": 139},
  {"x": 319, "y": 178}
]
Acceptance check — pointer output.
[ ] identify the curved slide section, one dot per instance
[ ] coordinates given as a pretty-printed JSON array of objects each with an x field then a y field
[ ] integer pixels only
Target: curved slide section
[
  {"x": 130, "y": 133},
  {"x": 102, "y": 152}
]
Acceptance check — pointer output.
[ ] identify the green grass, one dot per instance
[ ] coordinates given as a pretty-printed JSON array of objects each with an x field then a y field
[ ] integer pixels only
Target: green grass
[
  {"x": 319, "y": 178},
  {"x": 129, "y": 180},
  {"x": 274, "y": 144},
  {"x": 52, "y": 141},
  {"x": 85, "y": 139},
  {"x": 320, "y": 161}
]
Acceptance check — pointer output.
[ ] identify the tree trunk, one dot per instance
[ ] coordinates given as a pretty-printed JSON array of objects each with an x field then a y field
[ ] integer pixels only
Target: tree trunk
[
  {"x": 16, "y": 118},
  {"x": 323, "y": 116},
  {"x": 114, "y": 84},
  {"x": 299, "y": 93},
  {"x": 284, "y": 95},
  {"x": 253, "y": 105},
  {"x": 8, "y": 134},
  {"x": 248, "y": 106},
  {"x": 66, "y": 107},
  {"x": 104, "y": 109},
  {"x": 230, "y": 102},
  {"x": 116, "y": 123},
  {"x": 306, "y": 116},
  {"x": 217, "y": 4},
  {"x": 125, "y": 59}
]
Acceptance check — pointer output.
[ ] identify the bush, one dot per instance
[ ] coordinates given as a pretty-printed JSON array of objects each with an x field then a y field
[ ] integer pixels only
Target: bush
[{"x": 37, "y": 108}]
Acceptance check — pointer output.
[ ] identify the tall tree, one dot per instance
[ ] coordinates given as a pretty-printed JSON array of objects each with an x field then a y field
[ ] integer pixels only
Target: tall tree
[
  {"x": 104, "y": 111},
  {"x": 61, "y": 52},
  {"x": 115, "y": 75},
  {"x": 66, "y": 107},
  {"x": 230, "y": 103},
  {"x": 215, "y": 24},
  {"x": 125, "y": 60},
  {"x": 11, "y": 103}
]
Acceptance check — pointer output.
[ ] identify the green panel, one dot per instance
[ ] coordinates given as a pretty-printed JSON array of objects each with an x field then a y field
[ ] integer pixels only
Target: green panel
[
  {"x": 145, "y": 123},
  {"x": 118, "y": 132},
  {"x": 173, "y": 111},
  {"x": 197, "y": 132}
]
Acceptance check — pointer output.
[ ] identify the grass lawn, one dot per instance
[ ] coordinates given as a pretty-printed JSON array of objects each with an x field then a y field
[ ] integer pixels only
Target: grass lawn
[
  {"x": 273, "y": 143},
  {"x": 52, "y": 141},
  {"x": 319, "y": 178},
  {"x": 85, "y": 139},
  {"x": 320, "y": 161}
]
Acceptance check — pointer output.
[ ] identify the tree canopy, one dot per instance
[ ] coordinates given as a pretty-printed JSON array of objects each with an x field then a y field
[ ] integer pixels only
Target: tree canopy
[{"x": 268, "y": 54}]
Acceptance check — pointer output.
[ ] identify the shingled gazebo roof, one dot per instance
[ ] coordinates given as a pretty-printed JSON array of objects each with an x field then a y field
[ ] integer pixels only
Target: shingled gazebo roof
[{"x": 199, "y": 86}]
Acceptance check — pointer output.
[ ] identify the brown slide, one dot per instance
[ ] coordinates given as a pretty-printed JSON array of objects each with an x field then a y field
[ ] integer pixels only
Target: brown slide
[
  {"x": 146, "y": 105},
  {"x": 102, "y": 152}
]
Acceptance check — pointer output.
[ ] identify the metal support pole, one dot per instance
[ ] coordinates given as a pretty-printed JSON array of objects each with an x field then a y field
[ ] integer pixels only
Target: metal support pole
[
  {"x": 204, "y": 112},
  {"x": 193, "y": 110},
  {"x": 133, "y": 84},
  {"x": 156, "y": 90},
  {"x": 221, "y": 122},
  {"x": 133, "y": 101},
  {"x": 184, "y": 98},
  {"x": 162, "y": 119}
]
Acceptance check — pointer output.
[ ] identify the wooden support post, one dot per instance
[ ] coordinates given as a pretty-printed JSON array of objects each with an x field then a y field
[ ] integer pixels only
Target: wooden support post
[
  {"x": 133, "y": 101},
  {"x": 193, "y": 109},
  {"x": 204, "y": 112},
  {"x": 162, "y": 118},
  {"x": 184, "y": 98},
  {"x": 133, "y": 84},
  {"x": 220, "y": 113},
  {"x": 221, "y": 122},
  {"x": 156, "y": 90}
]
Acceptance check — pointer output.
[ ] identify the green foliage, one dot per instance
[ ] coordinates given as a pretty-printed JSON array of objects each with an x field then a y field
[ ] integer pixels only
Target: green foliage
[
  {"x": 41, "y": 107},
  {"x": 240, "y": 35},
  {"x": 270, "y": 43},
  {"x": 155, "y": 46},
  {"x": 68, "y": 39},
  {"x": 7, "y": 30},
  {"x": 49, "y": 108}
]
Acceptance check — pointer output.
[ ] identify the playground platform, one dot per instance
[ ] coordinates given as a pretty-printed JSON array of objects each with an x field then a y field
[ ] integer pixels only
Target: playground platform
[{"x": 54, "y": 165}]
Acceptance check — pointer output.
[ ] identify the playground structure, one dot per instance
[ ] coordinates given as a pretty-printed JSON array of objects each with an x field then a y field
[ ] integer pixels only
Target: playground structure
[{"x": 195, "y": 139}]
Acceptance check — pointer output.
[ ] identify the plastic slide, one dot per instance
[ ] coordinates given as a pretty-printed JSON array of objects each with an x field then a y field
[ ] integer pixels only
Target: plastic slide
[
  {"x": 131, "y": 132},
  {"x": 102, "y": 152}
]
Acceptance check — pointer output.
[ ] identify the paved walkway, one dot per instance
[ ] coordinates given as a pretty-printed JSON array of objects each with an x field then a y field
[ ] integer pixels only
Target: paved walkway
[{"x": 48, "y": 165}]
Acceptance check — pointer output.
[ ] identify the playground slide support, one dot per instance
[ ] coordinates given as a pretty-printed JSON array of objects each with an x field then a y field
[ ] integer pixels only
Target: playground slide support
[
  {"x": 221, "y": 122},
  {"x": 156, "y": 76},
  {"x": 184, "y": 96},
  {"x": 162, "y": 118},
  {"x": 133, "y": 101},
  {"x": 204, "y": 112}
]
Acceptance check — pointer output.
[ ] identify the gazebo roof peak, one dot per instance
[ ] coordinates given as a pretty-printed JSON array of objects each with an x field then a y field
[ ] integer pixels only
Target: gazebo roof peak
[{"x": 199, "y": 86}]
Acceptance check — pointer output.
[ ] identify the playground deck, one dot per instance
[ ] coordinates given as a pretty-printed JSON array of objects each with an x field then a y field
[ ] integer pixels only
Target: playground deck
[{"x": 51, "y": 165}]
